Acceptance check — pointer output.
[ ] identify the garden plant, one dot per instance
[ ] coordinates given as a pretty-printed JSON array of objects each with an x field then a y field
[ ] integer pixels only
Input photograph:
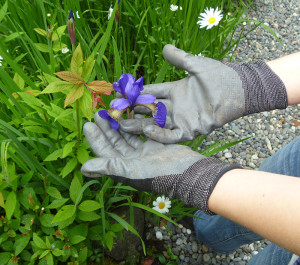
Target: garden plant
[{"x": 61, "y": 63}]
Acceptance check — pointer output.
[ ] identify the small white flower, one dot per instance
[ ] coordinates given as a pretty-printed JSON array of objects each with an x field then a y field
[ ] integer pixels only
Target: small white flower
[
  {"x": 159, "y": 235},
  {"x": 162, "y": 204},
  {"x": 200, "y": 54},
  {"x": 180, "y": 7},
  {"x": 110, "y": 10},
  {"x": 65, "y": 50},
  {"x": 77, "y": 14},
  {"x": 244, "y": 23},
  {"x": 43, "y": 209},
  {"x": 173, "y": 8},
  {"x": 1, "y": 59},
  {"x": 210, "y": 18},
  {"x": 48, "y": 15}
]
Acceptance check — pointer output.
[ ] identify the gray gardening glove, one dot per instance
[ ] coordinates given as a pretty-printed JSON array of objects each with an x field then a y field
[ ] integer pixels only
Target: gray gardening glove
[
  {"x": 173, "y": 170},
  {"x": 213, "y": 94}
]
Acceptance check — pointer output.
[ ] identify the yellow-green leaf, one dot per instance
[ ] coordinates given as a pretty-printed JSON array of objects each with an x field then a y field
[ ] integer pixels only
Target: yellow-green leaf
[
  {"x": 3, "y": 11},
  {"x": 53, "y": 156},
  {"x": 63, "y": 214},
  {"x": 69, "y": 167},
  {"x": 71, "y": 77},
  {"x": 41, "y": 32},
  {"x": 75, "y": 189},
  {"x": 57, "y": 86},
  {"x": 58, "y": 46},
  {"x": 88, "y": 67},
  {"x": 58, "y": 32},
  {"x": 19, "y": 81},
  {"x": 86, "y": 104},
  {"x": 75, "y": 93},
  {"x": 2, "y": 200},
  {"x": 10, "y": 204},
  {"x": 42, "y": 47},
  {"x": 68, "y": 148},
  {"x": 77, "y": 61}
]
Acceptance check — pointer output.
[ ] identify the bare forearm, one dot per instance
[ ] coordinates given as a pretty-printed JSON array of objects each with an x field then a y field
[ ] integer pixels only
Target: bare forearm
[
  {"x": 266, "y": 203},
  {"x": 288, "y": 69}
]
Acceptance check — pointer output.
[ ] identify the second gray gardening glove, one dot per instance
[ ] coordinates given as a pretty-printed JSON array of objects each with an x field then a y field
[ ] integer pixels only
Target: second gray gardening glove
[
  {"x": 213, "y": 94},
  {"x": 173, "y": 170}
]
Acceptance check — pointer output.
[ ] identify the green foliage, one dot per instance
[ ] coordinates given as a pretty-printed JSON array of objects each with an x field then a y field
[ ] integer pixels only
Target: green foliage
[{"x": 50, "y": 213}]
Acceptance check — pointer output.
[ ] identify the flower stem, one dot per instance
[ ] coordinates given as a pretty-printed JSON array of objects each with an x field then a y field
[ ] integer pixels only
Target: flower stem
[{"x": 78, "y": 125}]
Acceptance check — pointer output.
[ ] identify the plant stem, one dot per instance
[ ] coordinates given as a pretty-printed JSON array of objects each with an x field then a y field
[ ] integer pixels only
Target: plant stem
[{"x": 78, "y": 125}]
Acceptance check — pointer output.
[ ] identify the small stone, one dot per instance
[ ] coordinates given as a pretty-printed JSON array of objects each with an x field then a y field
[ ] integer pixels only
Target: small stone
[
  {"x": 188, "y": 231},
  {"x": 228, "y": 155},
  {"x": 194, "y": 246},
  {"x": 204, "y": 248},
  {"x": 206, "y": 258},
  {"x": 182, "y": 257},
  {"x": 183, "y": 230},
  {"x": 179, "y": 242}
]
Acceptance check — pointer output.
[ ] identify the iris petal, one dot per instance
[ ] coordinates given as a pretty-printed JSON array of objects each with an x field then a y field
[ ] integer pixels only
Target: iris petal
[
  {"x": 118, "y": 88},
  {"x": 114, "y": 124},
  {"x": 161, "y": 114},
  {"x": 125, "y": 82},
  {"x": 103, "y": 114},
  {"x": 139, "y": 82},
  {"x": 145, "y": 99},
  {"x": 132, "y": 93},
  {"x": 120, "y": 104}
]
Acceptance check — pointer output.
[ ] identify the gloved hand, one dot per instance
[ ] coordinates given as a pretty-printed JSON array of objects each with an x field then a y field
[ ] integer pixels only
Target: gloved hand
[
  {"x": 173, "y": 170},
  {"x": 213, "y": 94}
]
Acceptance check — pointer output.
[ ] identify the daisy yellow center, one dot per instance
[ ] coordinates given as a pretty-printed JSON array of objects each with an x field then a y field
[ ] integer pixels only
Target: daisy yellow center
[
  {"x": 212, "y": 20},
  {"x": 161, "y": 205}
]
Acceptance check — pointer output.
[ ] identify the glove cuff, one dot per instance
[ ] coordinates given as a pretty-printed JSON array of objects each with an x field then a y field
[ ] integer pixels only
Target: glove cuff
[
  {"x": 263, "y": 89},
  {"x": 195, "y": 185}
]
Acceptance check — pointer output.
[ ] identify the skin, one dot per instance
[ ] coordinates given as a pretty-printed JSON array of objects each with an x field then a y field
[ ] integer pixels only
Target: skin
[{"x": 266, "y": 203}]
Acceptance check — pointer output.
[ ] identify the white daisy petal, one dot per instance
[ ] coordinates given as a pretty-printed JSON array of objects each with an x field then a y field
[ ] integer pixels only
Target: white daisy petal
[{"x": 210, "y": 18}]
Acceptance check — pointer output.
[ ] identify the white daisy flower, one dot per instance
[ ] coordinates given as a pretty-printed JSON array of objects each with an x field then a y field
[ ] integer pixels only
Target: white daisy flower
[
  {"x": 1, "y": 59},
  {"x": 110, "y": 10},
  {"x": 65, "y": 50},
  {"x": 77, "y": 14},
  {"x": 162, "y": 204},
  {"x": 159, "y": 235},
  {"x": 210, "y": 18},
  {"x": 48, "y": 15},
  {"x": 173, "y": 8}
]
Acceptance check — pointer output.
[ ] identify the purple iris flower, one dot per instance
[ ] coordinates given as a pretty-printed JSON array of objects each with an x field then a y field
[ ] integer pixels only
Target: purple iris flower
[
  {"x": 113, "y": 123},
  {"x": 161, "y": 114},
  {"x": 131, "y": 91}
]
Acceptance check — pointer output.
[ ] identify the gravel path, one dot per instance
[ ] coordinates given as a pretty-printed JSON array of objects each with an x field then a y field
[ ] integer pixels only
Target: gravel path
[{"x": 270, "y": 130}]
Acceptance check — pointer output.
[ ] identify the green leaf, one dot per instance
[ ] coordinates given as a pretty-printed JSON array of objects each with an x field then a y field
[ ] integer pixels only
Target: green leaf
[
  {"x": 86, "y": 104},
  {"x": 89, "y": 206},
  {"x": 57, "y": 252},
  {"x": 116, "y": 228},
  {"x": 39, "y": 242},
  {"x": 54, "y": 156},
  {"x": 83, "y": 254},
  {"x": 87, "y": 216},
  {"x": 4, "y": 258},
  {"x": 44, "y": 253},
  {"x": 82, "y": 155},
  {"x": 41, "y": 32},
  {"x": 109, "y": 240},
  {"x": 54, "y": 192},
  {"x": 75, "y": 93},
  {"x": 20, "y": 243},
  {"x": 69, "y": 167},
  {"x": 57, "y": 204},
  {"x": 68, "y": 148},
  {"x": 47, "y": 220},
  {"x": 3, "y": 11},
  {"x": 30, "y": 99},
  {"x": 75, "y": 189},
  {"x": 36, "y": 254},
  {"x": 36, "y": 129},
  {"x": 88, "y": 67},
  {"x": 2, "y": 202},
  {"x": 58, "y": 32},
  {"x": 42, "y": 47},
  {"x": 77, "y": 61},
  {"x": 78, "y": 233},
  {"x": 162, "y": 72},
  {"x": 57, "y": 86},
  {"x": 10, "y": 204},
  {"x": 19, "y": 81},
  {"x": 63, "y": 214}
]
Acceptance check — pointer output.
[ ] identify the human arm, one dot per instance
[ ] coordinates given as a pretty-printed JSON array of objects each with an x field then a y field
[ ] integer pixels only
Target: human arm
[
  {"x": 216, "y": 93},
  {"x": 266, "y": 203},
  {"x": 288, "y": 70}
]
